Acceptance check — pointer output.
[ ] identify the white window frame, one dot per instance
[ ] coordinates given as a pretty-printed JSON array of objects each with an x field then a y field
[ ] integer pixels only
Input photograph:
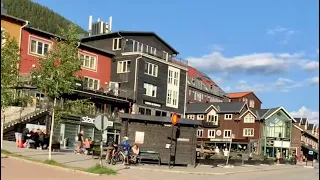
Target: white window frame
[
  {"x": 170, "y": 77},
  {"x": 200, "y": 133},
  {"x": 245, "y": 100},
  {"x": 120, "y": 65},
  {"x": 246, "y": 132},
  {"x": 90, "y": 57},
  {"x": 224, "y": 133},
  {"x": 151, "y": 69},
  {"x": 200, "y": 116},
  {"x": 249, "y": 118},
  {"x": 165, "y": 56},
  {"x": 251, "y": 103},
  {"x": 214, "y": 118},
  {"x": 176, "y": 78},
  {"x": 172, "y": 98},
  {"x": 150, "y": 89},
  {"x": 211, "y": 133},
  {"x": 93, "y": 80},
  {"x": 228, "y": 117},
  {"x": 190, "y": 116},
  {"x": 36, "y": 48},
  {"x": 116, "y": 42}
]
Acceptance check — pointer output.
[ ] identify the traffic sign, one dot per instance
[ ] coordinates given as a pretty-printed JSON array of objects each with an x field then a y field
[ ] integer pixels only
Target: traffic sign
[
  {"x": 102, "y": 122},
  {"x": 310, "y": 152},
  {"x": 174, "y": 119}
]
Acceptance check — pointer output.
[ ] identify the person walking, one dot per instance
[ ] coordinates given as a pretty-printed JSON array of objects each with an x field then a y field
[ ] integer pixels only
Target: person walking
[
  {"x": 278, "y": 156},
  {"x": 80, "y": 141}
]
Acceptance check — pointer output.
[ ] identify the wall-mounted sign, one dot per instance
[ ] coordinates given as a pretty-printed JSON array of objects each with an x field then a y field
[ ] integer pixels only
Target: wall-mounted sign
[
  {"x": 218, "y": 133},
  {"x": 220, "y": 140},
  {"x": 139, "y": 137},
  {"x": 87, "y": 119},
  {"x": 152, "y": 104},
  {"x": 183, "y": 140}
]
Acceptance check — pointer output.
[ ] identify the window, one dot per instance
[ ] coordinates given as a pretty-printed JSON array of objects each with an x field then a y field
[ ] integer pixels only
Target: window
[
  {"x": 200, "y": 117},
  {"x": 212, "y": 118},
  {"x": 151, "y": 69},
  {"x": 249, "y": 118},
  {"x": 92, "y": 84},
  {"x": 195, "y": 95},
  {"x": 161, "y": 113},
  {"x": 117, "y": 44},
  {"x": 228, "y": 117},
  {"x": 123, "y": 66},
  {"x": 245, "y": 100},
  {"x": 251, "y": 103},
  {"x": 189, "y": 92},
  {"x": 200, "y": 132},
  {"x": 152, "y": 50},
  {"x": 88, "y": 61},
  {"x": 227, "y": 134},
  {"x": 248, "y": 132},
  {"x": 190, "y": 116},
  {"x": 170, "y": 77},
  {"x": 172, "y": 98},
  {"x": 165, "y": 56},
  {"x": 150, "y": 90},
  {"x": 39, "y": 47},
  {"x": 176, "y": 78},
  {"x": 211, "y": 133}
]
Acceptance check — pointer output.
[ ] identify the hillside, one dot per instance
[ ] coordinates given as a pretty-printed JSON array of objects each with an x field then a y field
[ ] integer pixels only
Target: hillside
[{"x": 39, "y": 16}]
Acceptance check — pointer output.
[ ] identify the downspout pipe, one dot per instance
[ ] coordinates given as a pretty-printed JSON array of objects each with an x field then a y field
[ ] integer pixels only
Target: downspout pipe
[
  {"x": 136, "y": 77},
  {"x": 185, "y": 95},
  {"x": 20, "y": 38}
]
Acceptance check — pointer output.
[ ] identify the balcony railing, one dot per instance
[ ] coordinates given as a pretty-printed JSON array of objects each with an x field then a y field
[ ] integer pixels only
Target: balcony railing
[
  {"x": 136, "y": 46},
  {"x": 209, "y": 124}
]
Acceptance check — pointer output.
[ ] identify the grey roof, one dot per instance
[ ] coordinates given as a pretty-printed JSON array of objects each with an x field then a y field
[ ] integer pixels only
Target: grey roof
[
  {"x": 133, "y": 33},
  {"x": 160, "y": 119},
  {"x": 297, "y": 119},
  {"x": 197, "y": 108},
  {"x": 81, "y": 45},
  {"x": 12, "y": 17},
  {"x": 229, "y": 107},
  {"x": 310, "y": 126},
  {"x": 222, "y": 107},
  {"x": 303, "y": 121}
]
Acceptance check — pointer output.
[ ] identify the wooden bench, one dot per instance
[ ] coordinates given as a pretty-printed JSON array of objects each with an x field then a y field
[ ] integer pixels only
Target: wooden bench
[{"x": 149, "y": 156}]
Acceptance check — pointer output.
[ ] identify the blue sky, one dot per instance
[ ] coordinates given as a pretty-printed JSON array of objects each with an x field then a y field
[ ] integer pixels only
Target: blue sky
[{"x": 269, "y": 47}]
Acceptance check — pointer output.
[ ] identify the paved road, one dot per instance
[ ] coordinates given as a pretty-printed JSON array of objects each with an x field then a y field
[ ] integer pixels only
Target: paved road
[{"x": 13, "y": 169}]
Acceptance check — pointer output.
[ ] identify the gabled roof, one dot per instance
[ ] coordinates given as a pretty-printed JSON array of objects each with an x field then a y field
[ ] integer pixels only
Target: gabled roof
[
  {"x": 236, "y": 95},
  {"x": 304, "y": 121},
  {"x": 229, "y": 107},
  {"x": 298, "y": 120},
  {"x": 266, "y": 113},
  {"x": 221, "y": 107},
  {"x": 13, "y": 18},
  {"x": 310, "y": 127},
  {"x": 197, "y": 108},
  {"x": 58, "y": 36},
  {"x": 129, "y": 33}
]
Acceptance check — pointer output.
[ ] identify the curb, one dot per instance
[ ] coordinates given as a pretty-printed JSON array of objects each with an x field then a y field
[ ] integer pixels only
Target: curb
[
  {"x": 211, "y": 173},
  {"x": 309, "y": 167},
  {"x": 57, "y": 167}
]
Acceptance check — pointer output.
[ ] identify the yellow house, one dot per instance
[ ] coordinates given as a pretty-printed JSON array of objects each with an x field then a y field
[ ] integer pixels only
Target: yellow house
[{"x": 13, "y": 26}]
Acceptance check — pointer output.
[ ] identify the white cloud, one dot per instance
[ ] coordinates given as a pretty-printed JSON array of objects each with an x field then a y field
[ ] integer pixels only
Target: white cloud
[
  {"x": 284, "y": 34},
  {"x": 315, "y": 80},
  {"x": 311, "y": 66},
  {"x": 281, "y": 84},
  {"x": 256, "y": 63},
  {"x": 303, "y": 112}
]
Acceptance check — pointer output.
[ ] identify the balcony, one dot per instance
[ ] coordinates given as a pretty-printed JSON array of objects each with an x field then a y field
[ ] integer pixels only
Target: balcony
[
  {"x": 212, "y": 124},
  {"x": 136, "y": 46}
]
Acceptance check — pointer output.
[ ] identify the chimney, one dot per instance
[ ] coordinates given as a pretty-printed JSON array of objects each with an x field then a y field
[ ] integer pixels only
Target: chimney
[{"x": 90, "y": 25}]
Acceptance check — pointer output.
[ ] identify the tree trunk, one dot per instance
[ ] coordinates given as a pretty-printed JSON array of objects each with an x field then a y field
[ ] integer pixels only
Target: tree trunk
[
  {"x": 51, "y": 129},
  {"x": 2, "y": 127}
]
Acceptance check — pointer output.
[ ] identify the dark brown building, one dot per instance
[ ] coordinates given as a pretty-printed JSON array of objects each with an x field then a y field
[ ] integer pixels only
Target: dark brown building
[
  {"x": 221, "y": 120},
  {"x": 249, "y": 97},
  {"x": 305, "y": 137}
]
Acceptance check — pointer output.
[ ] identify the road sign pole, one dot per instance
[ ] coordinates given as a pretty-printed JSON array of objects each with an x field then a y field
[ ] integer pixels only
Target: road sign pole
[
  {"x": 169, "y": 163},
  {"x": 101, "y": 142}
]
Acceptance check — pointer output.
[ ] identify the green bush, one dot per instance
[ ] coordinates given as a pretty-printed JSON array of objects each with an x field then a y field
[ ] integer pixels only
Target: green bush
[{"x": 98, "y": 169}]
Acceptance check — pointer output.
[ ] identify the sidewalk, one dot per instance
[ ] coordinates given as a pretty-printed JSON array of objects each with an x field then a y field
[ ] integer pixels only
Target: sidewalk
[{"x": 83, "y": 161}]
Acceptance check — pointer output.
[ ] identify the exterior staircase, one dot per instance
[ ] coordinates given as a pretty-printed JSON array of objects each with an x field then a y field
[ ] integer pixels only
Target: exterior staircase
[{"x": 18, "y": 117}]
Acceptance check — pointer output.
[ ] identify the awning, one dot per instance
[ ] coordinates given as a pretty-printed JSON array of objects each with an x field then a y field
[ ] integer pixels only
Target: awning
[{"x": 310, "y": 148}]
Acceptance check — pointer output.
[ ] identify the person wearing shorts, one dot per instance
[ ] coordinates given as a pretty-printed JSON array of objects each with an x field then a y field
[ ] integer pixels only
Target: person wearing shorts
[{"x": 126, "y": 149}]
